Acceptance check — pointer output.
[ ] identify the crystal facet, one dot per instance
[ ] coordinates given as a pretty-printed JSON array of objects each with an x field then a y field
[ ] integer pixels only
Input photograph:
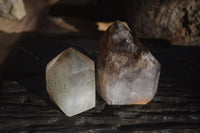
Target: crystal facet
[
  {"x": 127, "y": 72},
  {"x": 70, "y": 79}
]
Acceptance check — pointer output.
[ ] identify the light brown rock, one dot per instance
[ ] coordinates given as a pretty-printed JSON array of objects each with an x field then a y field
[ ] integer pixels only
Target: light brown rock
[
  {"x": 11, "y": 30},
  {"x": 177, "y": 21},
  {"x": 12, "y": 9}
]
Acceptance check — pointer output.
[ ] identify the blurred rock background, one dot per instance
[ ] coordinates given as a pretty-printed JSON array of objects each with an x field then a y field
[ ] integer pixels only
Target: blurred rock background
[
  {"x": 177, "y": 21},
  {"x": 173, "y": 20}
]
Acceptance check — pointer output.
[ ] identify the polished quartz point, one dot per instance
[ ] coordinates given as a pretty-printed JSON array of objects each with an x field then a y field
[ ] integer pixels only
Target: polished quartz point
[
  {"x": 70, "y": 79},
  {"x": 127, "y": 72}
]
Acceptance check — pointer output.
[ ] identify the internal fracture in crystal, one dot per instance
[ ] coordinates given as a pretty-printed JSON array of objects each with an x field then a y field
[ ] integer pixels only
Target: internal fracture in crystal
[{"x": 127, "y": 72}]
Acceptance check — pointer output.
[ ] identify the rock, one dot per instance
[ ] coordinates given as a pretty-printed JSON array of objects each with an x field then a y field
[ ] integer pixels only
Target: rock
[
  {"x": 177, "y": 21},
  {"x": 67, "y": 27},
  {"x": 12, "y": 30},
  {"x": 103, "y": 26},
  {"x": 127, "y": 72},
  {"x": 74, "y": 2},
  {"x": 70, "y": 80},
  {"x": 13, "y": 9},
  {"x": 37, "y": 12},
  {"x": 52, "y": 2}
]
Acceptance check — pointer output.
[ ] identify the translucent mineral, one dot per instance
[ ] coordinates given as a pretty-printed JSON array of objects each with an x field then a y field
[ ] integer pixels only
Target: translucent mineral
[
  {"x": 70, "y": 80},
  {"x": 127, "y": 72}
]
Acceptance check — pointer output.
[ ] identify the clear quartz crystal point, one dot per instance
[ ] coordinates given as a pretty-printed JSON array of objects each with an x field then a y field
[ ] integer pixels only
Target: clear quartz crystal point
[
  {"x": 70, "y": 80},
  {"x": 127, "y": 72}
]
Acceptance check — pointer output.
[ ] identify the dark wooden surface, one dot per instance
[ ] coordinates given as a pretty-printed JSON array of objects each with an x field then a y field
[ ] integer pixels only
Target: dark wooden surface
[{"x": 25, "y": 106}]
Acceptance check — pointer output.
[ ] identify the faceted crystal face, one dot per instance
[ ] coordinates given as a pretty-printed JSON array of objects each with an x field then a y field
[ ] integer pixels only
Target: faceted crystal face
[
  {"x": 70, "y": 79},
  {"x": 127, "y": 72}
]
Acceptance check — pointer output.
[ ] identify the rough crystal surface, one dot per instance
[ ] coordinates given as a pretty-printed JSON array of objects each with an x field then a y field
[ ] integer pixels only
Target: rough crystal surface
[
  {"x": 70, "y": 80},
  {"x": 127, "y": 72},
  {"x": 13, "y": 9}
]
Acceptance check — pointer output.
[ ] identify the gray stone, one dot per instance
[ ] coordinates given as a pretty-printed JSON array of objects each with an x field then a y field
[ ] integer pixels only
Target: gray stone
[
  {"x": 12, "y": 9},
  {"x": 177, "y": 21},
  {"x": 127, "y": 72},
  {"x": 70, "y": 80}
]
